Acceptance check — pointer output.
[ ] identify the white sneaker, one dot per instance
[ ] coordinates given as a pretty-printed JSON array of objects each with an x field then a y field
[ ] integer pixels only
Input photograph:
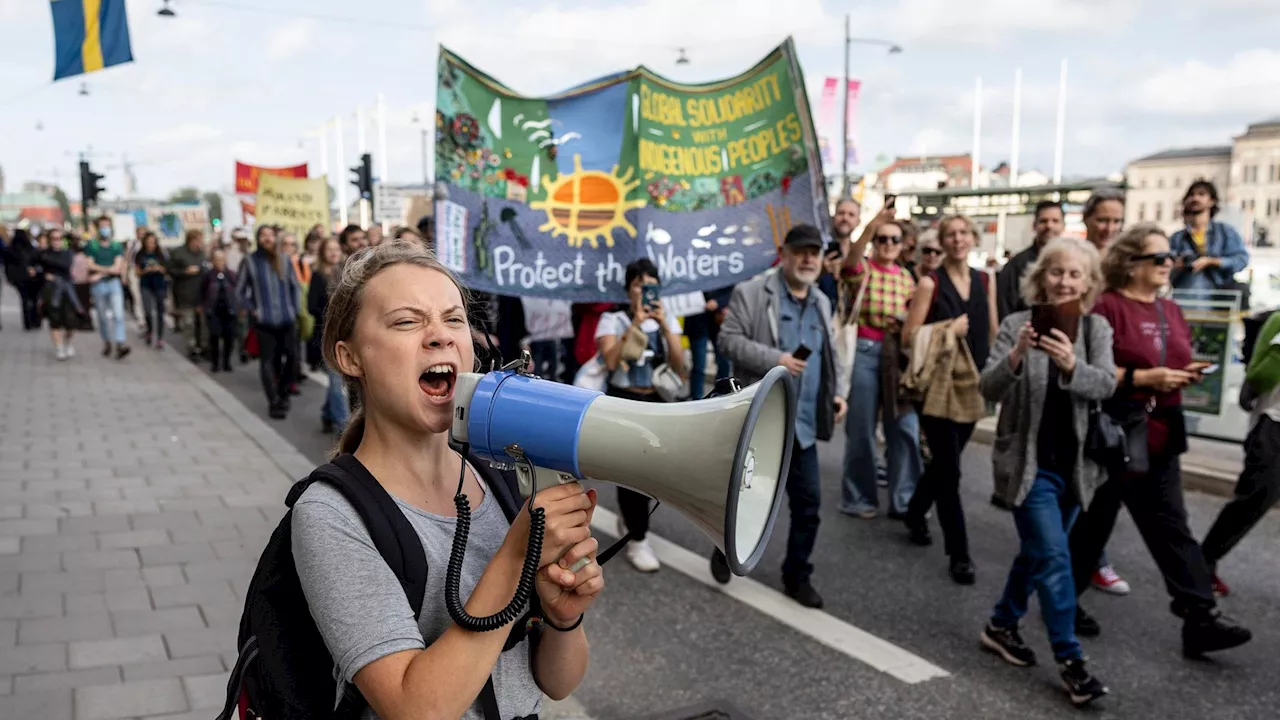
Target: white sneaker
[
  {"x": 60, "y": 352},
  {"x": 641, "y": 556},
  {"x": 71, "y": 351}
]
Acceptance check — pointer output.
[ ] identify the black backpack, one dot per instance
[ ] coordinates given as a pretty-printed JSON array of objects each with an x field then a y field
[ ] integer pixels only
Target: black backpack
[{"x": 284, "y": 670}]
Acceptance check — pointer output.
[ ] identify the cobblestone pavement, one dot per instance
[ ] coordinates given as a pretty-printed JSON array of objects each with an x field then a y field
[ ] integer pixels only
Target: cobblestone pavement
[{"x": 135, "y": 498}]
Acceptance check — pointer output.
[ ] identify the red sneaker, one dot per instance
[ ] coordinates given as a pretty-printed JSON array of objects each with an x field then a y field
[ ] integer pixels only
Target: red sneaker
[
  {"x": 1220, "y": 588},
  {"x": 1108, "y": 581}
]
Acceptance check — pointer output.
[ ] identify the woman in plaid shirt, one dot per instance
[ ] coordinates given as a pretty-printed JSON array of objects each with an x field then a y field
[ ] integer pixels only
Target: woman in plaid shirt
[{"x": 875, "y": 371}]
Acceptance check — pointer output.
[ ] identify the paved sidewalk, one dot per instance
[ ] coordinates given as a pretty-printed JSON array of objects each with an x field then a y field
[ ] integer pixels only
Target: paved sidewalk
[{"x": 135, "y": 499}]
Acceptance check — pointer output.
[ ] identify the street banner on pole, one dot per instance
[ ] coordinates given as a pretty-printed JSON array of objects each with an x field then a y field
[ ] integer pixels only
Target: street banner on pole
[
  {"x": 554, "y": 196},
  {"x": 296, "y": 204}
]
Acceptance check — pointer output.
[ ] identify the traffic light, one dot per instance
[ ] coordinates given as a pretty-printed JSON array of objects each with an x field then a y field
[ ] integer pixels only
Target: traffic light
[
  {"x": 90, "y": 187},
  {"x": 363, "y": 176}
]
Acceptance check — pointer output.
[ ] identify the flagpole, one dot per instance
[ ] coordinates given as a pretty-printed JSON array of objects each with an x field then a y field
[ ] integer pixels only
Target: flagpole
[
  {"x": 1062, "y": 118},
  {"x": 382, "y": 150},
  {"x": 341, "y": 184},
  {"x": 360, "y": 150},
  {"x": 1017, "y": 127},
  {"x": 977, "y": 132},
  {"x": 324, "y": 170}
]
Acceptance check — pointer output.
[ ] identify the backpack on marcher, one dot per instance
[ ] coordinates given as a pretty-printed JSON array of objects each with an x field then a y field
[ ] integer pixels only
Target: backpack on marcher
[{"x": 284, "y": 670}]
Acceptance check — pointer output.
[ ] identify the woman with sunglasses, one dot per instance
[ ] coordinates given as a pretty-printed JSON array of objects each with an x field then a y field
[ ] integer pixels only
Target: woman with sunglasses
[
  {"x": 1153, "y": 364},
  {"x": 874, "y": 380}
]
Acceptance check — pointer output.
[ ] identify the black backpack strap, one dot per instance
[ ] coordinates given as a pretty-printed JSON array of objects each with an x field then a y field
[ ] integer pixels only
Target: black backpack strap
[
  {"x": 390, "y": 530},
  {"x": 489, "y": 701},
  {"x": 391, "y": 533}
]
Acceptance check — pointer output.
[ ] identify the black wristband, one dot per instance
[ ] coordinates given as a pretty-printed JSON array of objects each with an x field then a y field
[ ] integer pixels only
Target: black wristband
[
  {"x": 1128, "y": 378},
  {"x": 547, "y": 621}
]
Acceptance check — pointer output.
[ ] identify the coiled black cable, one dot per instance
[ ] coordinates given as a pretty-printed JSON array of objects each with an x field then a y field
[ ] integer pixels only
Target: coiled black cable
[{"x": 453, "y": 576}]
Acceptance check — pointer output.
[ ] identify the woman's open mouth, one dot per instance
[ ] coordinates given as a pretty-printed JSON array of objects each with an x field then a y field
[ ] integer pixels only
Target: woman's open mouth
[{"x": 437, "y": 381}]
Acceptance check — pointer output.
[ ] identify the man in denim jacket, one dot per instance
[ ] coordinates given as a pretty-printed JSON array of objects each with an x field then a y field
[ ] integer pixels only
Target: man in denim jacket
[{"x": 1209, "y": 252}]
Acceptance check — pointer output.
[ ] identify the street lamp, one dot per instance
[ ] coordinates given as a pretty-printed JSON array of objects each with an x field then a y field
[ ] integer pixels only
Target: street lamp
[
  {"x": 166, "y": 11},
  {"x": 849, "y": 41}
]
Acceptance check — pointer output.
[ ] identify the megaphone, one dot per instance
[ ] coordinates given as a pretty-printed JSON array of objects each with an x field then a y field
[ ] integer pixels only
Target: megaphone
[{"x": 721, "y": 462}]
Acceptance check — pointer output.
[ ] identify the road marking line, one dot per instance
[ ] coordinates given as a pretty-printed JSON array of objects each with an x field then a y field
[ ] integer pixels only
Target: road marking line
[{"x": 826, "y": 629}]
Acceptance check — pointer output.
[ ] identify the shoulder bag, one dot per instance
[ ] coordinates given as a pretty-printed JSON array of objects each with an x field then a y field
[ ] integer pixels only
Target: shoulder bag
[{"x": 1117, "y": 436}]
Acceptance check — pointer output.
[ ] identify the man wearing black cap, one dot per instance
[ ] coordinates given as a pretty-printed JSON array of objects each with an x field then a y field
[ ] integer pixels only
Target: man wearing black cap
[{"x": 780, "y": 318}]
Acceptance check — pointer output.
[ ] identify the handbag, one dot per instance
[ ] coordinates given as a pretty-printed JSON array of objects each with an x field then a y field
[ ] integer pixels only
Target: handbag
[
  {"x": 634, "y": 343},
  {"x": 846, "y": 339},
  {"x": 593, "y": 375},
  {"x": 669, "y": 385},
  {"x": 1117, "y": 436}
]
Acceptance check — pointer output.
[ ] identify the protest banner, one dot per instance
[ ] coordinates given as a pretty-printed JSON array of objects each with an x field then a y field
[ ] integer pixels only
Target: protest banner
[
  {"x": 553, "y": 197},
  {"x": 294, "y": 204},
  {"x": 248, "y": 176}
]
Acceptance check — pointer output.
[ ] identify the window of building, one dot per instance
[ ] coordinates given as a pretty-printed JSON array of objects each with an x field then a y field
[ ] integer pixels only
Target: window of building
[
  {"x": 1177, "y": 182},
  {"x": 1159, "y": 208},
  {"x": 1142, "y": 212},
  {"x": 1143, "y": 185},
  {"x": 1160, "y": 183}
]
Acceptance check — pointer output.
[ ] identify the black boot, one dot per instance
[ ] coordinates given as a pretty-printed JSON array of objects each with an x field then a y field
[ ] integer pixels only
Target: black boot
[{"x": 1210, "y": 631}]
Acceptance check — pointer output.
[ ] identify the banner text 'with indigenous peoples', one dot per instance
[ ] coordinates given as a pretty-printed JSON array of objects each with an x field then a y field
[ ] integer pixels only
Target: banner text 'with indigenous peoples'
[{"x": 554, "y": 196}]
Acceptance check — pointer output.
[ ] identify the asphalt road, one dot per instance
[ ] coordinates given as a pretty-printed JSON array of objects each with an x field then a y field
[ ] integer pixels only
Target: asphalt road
[{"x": 666, "y": 641}]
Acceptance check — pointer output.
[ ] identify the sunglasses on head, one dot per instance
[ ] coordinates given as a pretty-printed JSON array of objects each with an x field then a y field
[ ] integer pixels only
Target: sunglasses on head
[
  {"x": 883, "y": 239},
  {"x": 931, "y": 251},
  {"x": 1163, "y": 258}
]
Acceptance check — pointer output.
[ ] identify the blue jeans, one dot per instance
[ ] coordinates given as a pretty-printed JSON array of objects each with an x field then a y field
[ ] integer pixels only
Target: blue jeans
[
  {"x": 335, "y": 402},
  {"x": 108, "y": 297},
  {"x": 698, "y": 367},
  {"x": 902, "y": 438},
  {"x": 1044, "y": 521},
  {"x": 804, "y": 495}
]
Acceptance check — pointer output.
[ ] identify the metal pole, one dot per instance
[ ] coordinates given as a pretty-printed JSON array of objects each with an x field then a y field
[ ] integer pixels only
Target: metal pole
[
  {"x": 844, "y": 136},
  {"x": 324, "y": 170},
  {"x": 977, "y": 132},
  {"x": 342, "y": 180},
  {"x": 1017, "y": 127},
  {"x": 382, "y": 150},
  {"x": 1062, "y": 117},
  {"x": 360, "y": 150}
]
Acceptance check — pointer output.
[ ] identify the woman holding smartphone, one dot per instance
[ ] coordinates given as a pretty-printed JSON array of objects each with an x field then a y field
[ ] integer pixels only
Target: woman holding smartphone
[
  {"x": 1045, "y": 382},
  {"x": 633, "y": 342},
  {"x": 396, "y": 329},
  {"x": 1153, "y": 364}
]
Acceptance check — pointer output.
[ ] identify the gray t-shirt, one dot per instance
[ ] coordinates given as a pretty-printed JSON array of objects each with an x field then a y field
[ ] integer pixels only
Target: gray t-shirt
[{"x": 362, "y": 611}]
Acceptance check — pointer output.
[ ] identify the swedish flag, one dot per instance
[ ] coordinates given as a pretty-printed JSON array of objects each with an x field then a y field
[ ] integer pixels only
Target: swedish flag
[{"x": 89, "y": 35}]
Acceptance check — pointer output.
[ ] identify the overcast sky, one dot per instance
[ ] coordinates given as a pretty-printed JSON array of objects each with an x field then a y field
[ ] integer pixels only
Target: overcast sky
[{"x": 255, "y": 79}]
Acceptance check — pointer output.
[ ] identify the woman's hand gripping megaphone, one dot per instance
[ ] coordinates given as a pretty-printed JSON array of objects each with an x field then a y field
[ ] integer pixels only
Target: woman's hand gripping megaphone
[{"x": 568, "y": 577}]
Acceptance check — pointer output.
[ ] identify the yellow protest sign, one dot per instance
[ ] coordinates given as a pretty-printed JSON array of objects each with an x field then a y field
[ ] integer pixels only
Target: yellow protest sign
[{"x": 296, "y": 204}]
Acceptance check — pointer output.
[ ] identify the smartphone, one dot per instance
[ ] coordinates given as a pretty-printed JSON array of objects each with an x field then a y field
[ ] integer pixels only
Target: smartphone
[
  {"x": 1211, "y": 369},
  {"x": 802, "y": 353},
  {"x": 890, "y": 201},
  {"x": 649, "y": 295},
  {"x": 1065, "y": 317}
]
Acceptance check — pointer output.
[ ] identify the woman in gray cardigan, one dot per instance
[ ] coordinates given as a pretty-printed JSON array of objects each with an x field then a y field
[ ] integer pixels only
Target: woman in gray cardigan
[{"x": 1044, "y": 384}]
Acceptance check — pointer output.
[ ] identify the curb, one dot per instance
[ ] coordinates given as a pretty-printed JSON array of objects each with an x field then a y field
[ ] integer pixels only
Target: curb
[{"x": 1194, "y": 477}]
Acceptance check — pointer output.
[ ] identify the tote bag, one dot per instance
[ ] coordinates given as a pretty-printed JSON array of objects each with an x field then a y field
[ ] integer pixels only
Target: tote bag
[{"x": 846, "y": 339}]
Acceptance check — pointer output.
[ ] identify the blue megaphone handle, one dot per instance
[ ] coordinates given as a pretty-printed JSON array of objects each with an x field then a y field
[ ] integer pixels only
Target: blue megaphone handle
[{"x": 543, "y": 417}]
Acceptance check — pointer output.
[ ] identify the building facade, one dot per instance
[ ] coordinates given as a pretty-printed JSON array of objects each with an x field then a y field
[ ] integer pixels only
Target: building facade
[
  {"x": 1156, "y": 183},
  {"x": 1255, "y": 179}
]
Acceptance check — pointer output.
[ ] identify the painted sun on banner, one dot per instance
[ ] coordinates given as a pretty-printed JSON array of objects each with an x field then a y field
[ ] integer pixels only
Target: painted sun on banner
[{"x": 553, "y": 196}]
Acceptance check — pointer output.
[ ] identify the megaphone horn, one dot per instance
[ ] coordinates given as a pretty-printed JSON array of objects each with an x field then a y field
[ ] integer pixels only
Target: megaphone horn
[{"x": 721, "y": 462}]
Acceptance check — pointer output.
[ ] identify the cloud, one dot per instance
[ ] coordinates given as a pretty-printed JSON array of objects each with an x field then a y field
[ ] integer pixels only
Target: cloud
[
  {"x": 991, "y": 22},
  {"x": 188, "y": 134},
  {"x": 1243, "y": 85},
  {"x": 291, "y": 39}
]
